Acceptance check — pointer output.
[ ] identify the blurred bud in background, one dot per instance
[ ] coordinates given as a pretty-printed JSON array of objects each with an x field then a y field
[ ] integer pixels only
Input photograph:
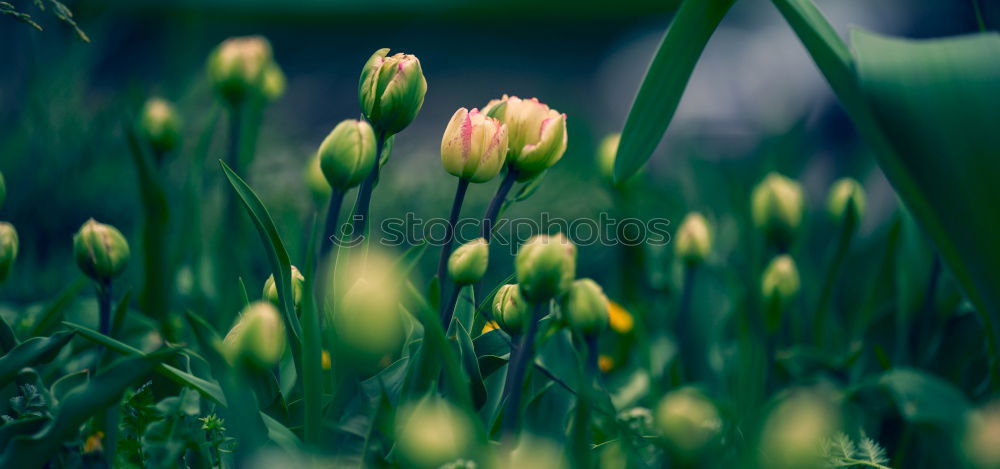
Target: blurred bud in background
[
  {"x": 536, "y": 134},
  {"x": 237, "y": 67},
  {"x": 367, "y": 320},
  {"x": 545, "y": 267},
  {"x": 846, "y": 196},
  {"x": 797, "y": 429},
  {"x": 778, "y": 286},
  {"x": 982, "y": 437},
  {"x": 270, "y": 292},
  {"x": 100, "y": 250},
  {"x": 468, "y": 263},
  {"x": 535, "y": 452},
  {"x": 258, "y": 337},
  {"x": 606, "y": 151},
  {"x": 688, "y": 422},
  {"x": 585, "y": 307},
  {"x": 315, "y": 180},
  {"x": 776, "y": 206},
  {"x": 347, "y": 154},
  {"x": 160, "y": 126},
  {"x": 474, "y": 147},
  {"x": 391, "y": 90},
  {"x": 8, "y": 249},
  {"x": 432, "y": 433},
  {"x": 694, "y": 239},
  {"x": 510, "y": 311},
  {"x": 273, "y": 86}
]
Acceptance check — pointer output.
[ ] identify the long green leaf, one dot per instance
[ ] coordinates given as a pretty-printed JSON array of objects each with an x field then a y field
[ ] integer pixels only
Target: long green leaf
[
  {"x": 665, "y": 80},
  {"x": 32, "y": 351},
  {"x": 52, "y": 313}
]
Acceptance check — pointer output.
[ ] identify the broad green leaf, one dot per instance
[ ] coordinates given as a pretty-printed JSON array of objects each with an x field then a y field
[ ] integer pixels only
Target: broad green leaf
[
  {"x": 32, "y": 351},
  {"x": 62, "y": 386},
  {"x": 925, "y": 399},
  {"x": 665, "y": 80},
  {"x": 8, "y": 340}
]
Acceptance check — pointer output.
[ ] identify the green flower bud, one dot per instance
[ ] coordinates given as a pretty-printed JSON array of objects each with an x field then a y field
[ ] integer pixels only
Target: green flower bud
[
  {"x": 846, "y": 194},
  {"x": 8, "y": 249},
  {"x": 368, "y": 320},
  {"x": 474, "y": 147},
  {"x": 160, "y": 125},
  {"x": 781, "y": 280},
  {"x": 316, "y": 182},
  {"x": 982, "y": 437},
  {"x": 391, "y": 90},
  {"x": 257, "y": 338},
  {"x": 536, "y": 134},
  {"x": 688, "y": 422},
  {"x": 606, "y": 152},
  {"x": 545, "y": 267},
  {"x": 796, "y": 430},
  {"x": 347, "y": 154},
  {"x": 777, "y": 204},
  {"x": 510, "y": 311},
  {"x": 694, "y": 239},
  {"x": 468, "y": 263},
  {"x": 433, "y": 433},
  {"x": 274, "y": 83},
  {"x": 270, "y": 292},
  {"x": 237, "y": 67},
  {"x": 585, "y": 307},
  {"x": 100, "y": 250}
]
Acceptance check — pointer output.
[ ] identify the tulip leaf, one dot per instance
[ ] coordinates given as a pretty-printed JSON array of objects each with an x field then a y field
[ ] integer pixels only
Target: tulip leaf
[
  {"x": 8, "y": 340},
  {"x": 665, "y": 80},
  {"x": 32, "y": 351},
  {"x": 62, "y": 386},
  {"x": 925, "y": 399}
]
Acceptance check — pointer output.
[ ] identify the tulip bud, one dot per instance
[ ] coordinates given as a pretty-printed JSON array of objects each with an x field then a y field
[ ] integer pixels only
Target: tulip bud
[
  {"x": 391, "y": 90},
  {"x": 546, "y": 267},
  {"x": 159, "y": 125},
  {"x": 237, "y": 67},
  {"x": 474, "y": 147},
  {"x": 694, "y": 239},
  {"x": 100, "y": 250},
  {"x": 510, "y": 310},
  {"x": 274, "y": 83},
  {"x": 536, "y": 134},
  {"x": 257, "y": 338},
  {"x": 781, "y": 279},
  {"x": 777, "y": 204},
  {"x": 368, "y": 320},
  {"x": 606, "y": 152},
  {"x": 8, "y": 249},
  {"x": 982, "y": 437},
  {"x": 688, "y": 422},
  {"x": 846, "y": 196},
  {"x": 467, "y": 264},
  {"x": 347, "y": 154},
  {"x": 796, "y": 430},
  {"x": 433, "y": 433},
  {"x": 316, "y": 182},
  {"x": 270, "y": 292},
  {"x": 585, "y": 307}
]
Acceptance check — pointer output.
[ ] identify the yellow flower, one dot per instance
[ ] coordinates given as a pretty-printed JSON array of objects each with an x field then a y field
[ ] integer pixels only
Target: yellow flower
[
  {"x": 489, "y": 326},
  {"x": 327, "y": 364},
  {"x": 620, "y": 320},
  {"x": 93, "y": 443},
  {"x": 605, "y": 363}
]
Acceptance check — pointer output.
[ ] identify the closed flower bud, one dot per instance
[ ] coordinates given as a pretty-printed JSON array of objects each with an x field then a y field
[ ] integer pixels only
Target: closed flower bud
[
  {"x": 781, "y": 280},
  {"x": 694, "y": 239},
  {"x": 273, "y": 86},
  {"x": 159, "y": 125},
  {"x": 8, "y": 249},
  {"x": 391, "y": 90},
  {"x": 474, "y": 147},
  {"x": 846, "y": 196},
  {"x": 796, "y": 430},
  {"x": 271, "y": 289},
  {"x": 432, "y": 433},
  {"x": 100, "y": 250},
  {"x": 536, "y": 134},
  {"x": 585, "y": 307},
  {"x": 777, "y": 204},
  {"x": 237, "y": 67},
  {"x": 347, "y": 154},
  {"x": 546, "y": 267},
  {"x": 368, "y": 320},
  {"x": 982, "y": 437},
  {"x": 468, "y": 263},
  {"x": 688, "y": 422},
  {"x": 316, "y": 182},
  {"x": 257, "y": 338},
  {"x": 510, "y": 310},
  {"x": 606, "y": 152}
]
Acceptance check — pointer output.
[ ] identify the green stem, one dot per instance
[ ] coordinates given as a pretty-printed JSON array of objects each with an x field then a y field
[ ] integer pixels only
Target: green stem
[
  {"x": 820, "y": 318},
  {"x": 520, "y": 356},
  {"x": 449, "y": 236},
  {"x": 362, "y": 206},
  {"x": 979, "y": 16},
  {"x": 493, "y": 210},
  {"x": 104, "y": 306},
  {"x": 332, "y": 216},
  {"x": 686, "y": 334}
]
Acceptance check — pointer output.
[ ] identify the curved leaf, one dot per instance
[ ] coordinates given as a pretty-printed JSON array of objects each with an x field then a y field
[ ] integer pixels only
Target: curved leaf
[{"x": 31, "y": 351}]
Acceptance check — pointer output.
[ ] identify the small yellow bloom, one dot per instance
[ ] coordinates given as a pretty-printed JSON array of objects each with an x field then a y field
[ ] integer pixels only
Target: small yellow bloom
[
  {"x": 605, "y": 363},
  {"x": 489, "y": 326},
  {"x": 93, "y": 443},
  {"x": 327, "y": 364},
  {"x": 620, "y": 319}
]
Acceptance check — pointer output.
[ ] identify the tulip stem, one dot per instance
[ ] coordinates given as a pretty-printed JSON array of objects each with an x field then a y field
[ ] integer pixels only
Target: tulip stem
[
  {"x": 448, "y": 309},
  {"x": 520, "y": 356},
  {"x": 104, "y": 306},
  {"x": 687, "y": 335},
  {"x": 449, "y": 238},
  {"x": 833, "y": 270},
  {"x": 363, "y": 204},
  {"x": 332, "y": 216},
  {"x": 498, "y": 199}
]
